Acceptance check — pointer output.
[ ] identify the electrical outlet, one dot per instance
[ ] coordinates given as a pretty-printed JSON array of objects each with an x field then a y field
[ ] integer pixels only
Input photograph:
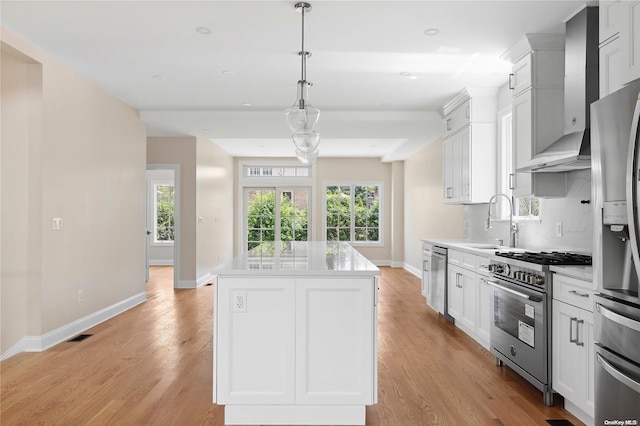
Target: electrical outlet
[
  {"x": 239, "y": 301},
  {"x": 79, "y": 296},
  {"x": 558, "y": 229}
]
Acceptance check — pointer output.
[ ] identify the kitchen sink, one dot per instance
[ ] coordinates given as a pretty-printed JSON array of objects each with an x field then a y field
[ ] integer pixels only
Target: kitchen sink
[{"x": 484, "y": 246}]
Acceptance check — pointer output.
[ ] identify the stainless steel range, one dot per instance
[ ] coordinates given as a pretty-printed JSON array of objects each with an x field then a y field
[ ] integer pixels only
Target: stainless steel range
[{"x": 522, "y": 312}]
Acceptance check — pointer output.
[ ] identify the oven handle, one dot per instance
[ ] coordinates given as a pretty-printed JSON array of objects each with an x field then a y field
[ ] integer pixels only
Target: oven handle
[
  {"x": 617, "y": 374},
  {"x": 514, "y": 292},
  {"x": 617, "y": 318}
]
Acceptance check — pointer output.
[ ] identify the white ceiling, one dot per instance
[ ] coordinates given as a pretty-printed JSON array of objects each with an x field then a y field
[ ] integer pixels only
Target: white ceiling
[{"x": 359, "y": 49}]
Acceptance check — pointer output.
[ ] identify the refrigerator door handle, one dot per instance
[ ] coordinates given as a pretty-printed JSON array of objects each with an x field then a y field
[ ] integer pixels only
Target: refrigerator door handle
[
  {"x": 632, "y": 186},
  {"x": 618, "y": 375}
]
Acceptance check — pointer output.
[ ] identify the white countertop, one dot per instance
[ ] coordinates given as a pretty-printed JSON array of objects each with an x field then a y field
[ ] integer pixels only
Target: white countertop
[
  {"x": 474, "y": 247},
  {"x": 300, "y": 258}
]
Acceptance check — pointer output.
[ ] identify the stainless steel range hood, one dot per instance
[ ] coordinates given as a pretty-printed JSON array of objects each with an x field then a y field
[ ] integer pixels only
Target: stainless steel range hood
[{"x": 581, "y": 86}]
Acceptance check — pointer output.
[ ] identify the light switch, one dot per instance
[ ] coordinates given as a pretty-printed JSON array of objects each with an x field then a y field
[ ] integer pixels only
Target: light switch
[{"x": 56, "y": 224}]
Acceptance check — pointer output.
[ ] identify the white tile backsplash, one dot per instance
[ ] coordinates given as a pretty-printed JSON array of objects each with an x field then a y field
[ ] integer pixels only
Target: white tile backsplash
[{"x": 575, "y": 217}]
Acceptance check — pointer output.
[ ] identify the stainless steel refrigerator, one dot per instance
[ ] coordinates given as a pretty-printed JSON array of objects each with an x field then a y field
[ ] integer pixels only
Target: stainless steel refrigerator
[{"x": 615, "y": 162}]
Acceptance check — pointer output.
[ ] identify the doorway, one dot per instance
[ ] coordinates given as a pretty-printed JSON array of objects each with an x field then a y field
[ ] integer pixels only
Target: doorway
[
  {"x": 276, "y": 214},
  {"x": 162, "y": 218}
]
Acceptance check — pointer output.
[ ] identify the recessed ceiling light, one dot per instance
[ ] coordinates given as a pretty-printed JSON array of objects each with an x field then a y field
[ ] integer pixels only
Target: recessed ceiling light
[
  {"x": 246, "y": 104},
  {"x": 159, "y": 77},
  {"x": 431, "y": 32},
  {"x": 227, "y": 73},
  {"x": 412, "y": 77},
  {"x": 405, "y": 74},
  {"x": 203, "y": 30}
]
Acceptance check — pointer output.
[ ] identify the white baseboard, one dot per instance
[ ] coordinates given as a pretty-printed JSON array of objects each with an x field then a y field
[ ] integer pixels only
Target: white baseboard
[
  {"x": 186, "y": 284},
  {"x": 381, "y": 262},
  {"x": 160, "y": 262},
  {"x": 415, "y": 271},
  {"x": 195, "y": 283},
  {"x": 61, "y": 334},
  {"x": 204, "y": 279}
]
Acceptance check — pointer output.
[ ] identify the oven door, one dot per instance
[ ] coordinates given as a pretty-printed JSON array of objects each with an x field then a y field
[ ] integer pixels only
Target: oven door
[{"x": 519, "y": 328}]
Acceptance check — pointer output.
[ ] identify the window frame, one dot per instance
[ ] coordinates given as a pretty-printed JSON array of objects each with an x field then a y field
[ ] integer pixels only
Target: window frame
[
  {"x": 271, "y": 181},
  {"x": 352, "y": 185},
  {"x": 154, "y": 187}
]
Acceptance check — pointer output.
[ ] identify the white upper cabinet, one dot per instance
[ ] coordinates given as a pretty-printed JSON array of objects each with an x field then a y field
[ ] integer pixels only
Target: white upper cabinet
[
  {"x": 537, "y": 81},
  {"x": 630, "y": 40},
  {"x": 469, "y": 147},
  {"x": 609, "y": 19},
  {"x": 619, "y": 44}
]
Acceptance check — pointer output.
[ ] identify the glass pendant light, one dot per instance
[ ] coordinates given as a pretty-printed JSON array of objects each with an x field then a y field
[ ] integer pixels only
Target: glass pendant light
[
  {"x": 307, "y": 141},
  {"x": 307, "y": 157},
  {"x": 302, "y": 117}
]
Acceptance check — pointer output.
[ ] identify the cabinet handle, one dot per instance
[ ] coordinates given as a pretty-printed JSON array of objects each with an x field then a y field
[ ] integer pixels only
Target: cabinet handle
[
  {"x": 511, "y": 180},
  {"x": 468, "y": 189},
  {"x": 447, "y": 193},
  {"x": 468, "y": 112},
  {"x": 511, "y": 86},
  {"x": 578, "y": 322},
  {"x": 448, "y": 124},
  {"x": 571, "y": 339},
  {"x": 579, "y": 294},
  {"x": 458, "y": 281}
]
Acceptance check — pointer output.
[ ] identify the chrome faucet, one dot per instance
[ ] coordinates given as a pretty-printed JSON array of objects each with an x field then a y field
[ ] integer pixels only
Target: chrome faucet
[{"x": 513, "y": 227}]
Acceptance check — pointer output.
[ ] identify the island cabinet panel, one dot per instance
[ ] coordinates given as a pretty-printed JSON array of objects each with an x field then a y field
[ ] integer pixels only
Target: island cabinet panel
[
  {"x": 334, "y": 341},
  {"x": 256, "y": 317}
]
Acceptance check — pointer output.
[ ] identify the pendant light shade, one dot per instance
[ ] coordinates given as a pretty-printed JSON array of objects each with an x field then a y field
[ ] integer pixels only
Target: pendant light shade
[
  {"x": 301, "y": 117},
  {"x": 306, "y": 157},
  {"x": 306, "y": 142}
]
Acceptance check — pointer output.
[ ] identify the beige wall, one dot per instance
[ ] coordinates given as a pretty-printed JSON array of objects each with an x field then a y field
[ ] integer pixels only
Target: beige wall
[
  {"x": 206, "y": 203},
  {"x": 85, "y": 163},
  {"x": 181, "y": 151},
  {"x": 20, "y": 266},
  {"x": 349, "y": 170},
  {"x": 425, "y": 215},
  {"x": 214, "y": 207},
  {"x": 356, "y": 170}
]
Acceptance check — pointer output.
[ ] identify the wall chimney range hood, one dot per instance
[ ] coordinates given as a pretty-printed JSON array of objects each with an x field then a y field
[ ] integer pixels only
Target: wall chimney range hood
[{"x": 581, "y": 86}]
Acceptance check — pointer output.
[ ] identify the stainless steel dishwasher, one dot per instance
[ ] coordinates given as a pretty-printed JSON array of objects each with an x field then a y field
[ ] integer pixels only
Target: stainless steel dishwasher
[{"x": 434, "y": 278}]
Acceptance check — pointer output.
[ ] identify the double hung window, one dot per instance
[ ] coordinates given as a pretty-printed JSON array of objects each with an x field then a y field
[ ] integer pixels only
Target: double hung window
[{"x": 352, "y": 213}]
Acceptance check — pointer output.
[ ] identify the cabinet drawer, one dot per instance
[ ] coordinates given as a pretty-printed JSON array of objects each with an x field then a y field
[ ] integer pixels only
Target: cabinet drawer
[
  {"x": 573, "y": 291},
  {"x": 462, "y": 259}
]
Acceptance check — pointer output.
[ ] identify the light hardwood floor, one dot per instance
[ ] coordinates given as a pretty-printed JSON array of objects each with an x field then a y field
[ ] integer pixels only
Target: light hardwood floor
[{"x": 153, "y": 365}]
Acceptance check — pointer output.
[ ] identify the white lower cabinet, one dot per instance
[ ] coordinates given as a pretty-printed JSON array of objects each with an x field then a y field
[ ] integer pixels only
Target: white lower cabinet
[
  {"x": 573, "y": 348},
  {"x": 462, "y": 298},
  {"x": 259, "y": 365},
  {"x": 335, "y": 342},
  {"x": 296, "y": 341},
  {"x": 469, "y": 295}
]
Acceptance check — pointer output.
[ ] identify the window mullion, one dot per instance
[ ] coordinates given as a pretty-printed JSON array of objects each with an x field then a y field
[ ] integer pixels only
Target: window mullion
[{"x": 353, "y": 213}]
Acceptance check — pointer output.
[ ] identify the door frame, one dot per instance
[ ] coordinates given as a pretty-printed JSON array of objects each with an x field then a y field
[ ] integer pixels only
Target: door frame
[{"x": 176, "y": 237}]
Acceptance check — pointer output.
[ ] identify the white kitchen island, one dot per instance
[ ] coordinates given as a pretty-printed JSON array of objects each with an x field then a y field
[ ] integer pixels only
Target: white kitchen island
[{"x": 295, "y": 335}]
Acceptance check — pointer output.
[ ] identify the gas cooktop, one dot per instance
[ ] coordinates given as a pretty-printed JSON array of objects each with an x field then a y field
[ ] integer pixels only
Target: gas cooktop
[{"x": 548, "y": 258}]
